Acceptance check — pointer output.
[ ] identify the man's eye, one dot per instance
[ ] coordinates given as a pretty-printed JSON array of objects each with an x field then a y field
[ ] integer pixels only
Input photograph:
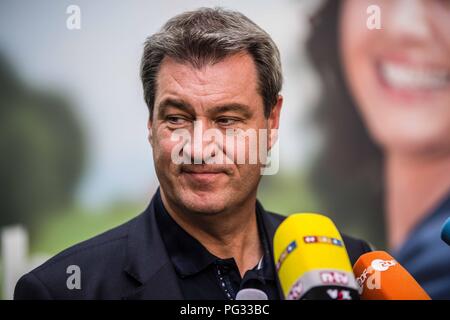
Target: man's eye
[
  {"x": 176, "y": 120},
  {"x": 226, "y": 121}
]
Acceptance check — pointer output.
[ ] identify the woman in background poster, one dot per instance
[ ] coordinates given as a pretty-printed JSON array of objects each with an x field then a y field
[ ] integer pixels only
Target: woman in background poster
[{"x": 385, "y": 112}]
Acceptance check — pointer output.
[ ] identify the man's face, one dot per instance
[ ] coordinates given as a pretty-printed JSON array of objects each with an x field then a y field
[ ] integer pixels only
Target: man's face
[{"x": 217, "y": 96}]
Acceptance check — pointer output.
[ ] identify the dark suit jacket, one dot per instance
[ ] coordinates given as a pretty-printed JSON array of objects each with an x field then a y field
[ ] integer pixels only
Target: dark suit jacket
[{"x": 127, "y": 262}]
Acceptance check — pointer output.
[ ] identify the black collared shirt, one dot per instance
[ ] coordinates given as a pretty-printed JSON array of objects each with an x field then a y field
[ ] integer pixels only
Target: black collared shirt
[{"x": 201, "y": 274}]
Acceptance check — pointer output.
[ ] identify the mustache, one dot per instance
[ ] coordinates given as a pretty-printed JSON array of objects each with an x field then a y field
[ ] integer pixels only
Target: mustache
[{"x": 205, "y": 168}]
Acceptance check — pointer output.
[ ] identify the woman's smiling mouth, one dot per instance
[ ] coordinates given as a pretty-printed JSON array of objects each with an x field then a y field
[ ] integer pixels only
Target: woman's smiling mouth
[{"x": 406, "y": 79}]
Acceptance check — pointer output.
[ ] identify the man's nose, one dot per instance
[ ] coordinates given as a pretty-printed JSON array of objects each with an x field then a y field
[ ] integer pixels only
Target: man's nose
[{"x": 206, "y": 141}]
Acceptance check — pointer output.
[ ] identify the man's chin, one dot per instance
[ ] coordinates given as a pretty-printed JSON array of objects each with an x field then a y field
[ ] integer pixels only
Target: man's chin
[{"x": 204, "y": 202}]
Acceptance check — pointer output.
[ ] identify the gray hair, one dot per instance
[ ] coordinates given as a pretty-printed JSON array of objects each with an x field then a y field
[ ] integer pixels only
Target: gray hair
[{"x": 206, "y": 36}]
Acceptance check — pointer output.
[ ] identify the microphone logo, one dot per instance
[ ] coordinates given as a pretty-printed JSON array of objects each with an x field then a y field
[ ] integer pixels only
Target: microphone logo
[
  {"x": 333, "y": 277},
  {"x": 291, "y": 247},
  {"x": 339, "y": 294},
  {"x": 296, "y": 291},
  {"x": 382, "y": 265},
  {"x": 322, "y": 239},
  {"x": 371, "y": 277}
]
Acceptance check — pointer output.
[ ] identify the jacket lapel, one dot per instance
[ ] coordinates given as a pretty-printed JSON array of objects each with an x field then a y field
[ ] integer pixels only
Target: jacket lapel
[
  {"x": 271, "y": 223},
  {"x": 147, "y": 260}
]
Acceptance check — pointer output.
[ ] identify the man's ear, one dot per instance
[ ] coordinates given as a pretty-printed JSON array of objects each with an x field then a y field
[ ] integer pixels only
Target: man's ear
[{"x": 274, "y": 122}]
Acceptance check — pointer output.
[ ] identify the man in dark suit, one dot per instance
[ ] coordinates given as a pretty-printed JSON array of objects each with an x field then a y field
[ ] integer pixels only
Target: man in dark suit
[{"x": 211, "y": 78}]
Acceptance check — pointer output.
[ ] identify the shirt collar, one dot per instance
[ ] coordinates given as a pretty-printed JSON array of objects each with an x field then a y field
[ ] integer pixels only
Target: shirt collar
[{"x": 189, "y": 256}]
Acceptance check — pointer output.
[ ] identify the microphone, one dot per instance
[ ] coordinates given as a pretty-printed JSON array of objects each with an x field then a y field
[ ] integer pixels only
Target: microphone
[
  {"x": 445, "y": 234},
  {"x": 311, "y": 259},
  {"x": 251, "y": 294},
  {"x": 380, "y": 277}
]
